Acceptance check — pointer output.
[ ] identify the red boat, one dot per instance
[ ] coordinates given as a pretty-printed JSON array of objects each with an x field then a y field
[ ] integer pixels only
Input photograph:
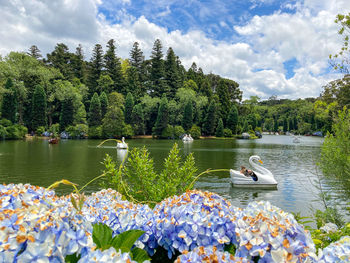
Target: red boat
[{"x": 53, "y": 141}]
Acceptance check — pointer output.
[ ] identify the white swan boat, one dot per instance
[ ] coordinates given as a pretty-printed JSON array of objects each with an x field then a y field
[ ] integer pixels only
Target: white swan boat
[
  {"x": 265, "y": 178},
  {"x": 122, "y": 144},
  {"x": 187, "y": 138}
]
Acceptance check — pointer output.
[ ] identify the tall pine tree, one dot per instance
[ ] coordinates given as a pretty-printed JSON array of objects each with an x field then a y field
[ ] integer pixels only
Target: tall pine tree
[
  {"x": 171, "y": 74},
  {"x": 220, "y": 129},
  {"x": 162, "y": 117},
  {"x": 232, "y": 119},
  {"x": 67, "y": 113},
  {"x": 113, "y": 66},
  {"x": 61, "y": 59},
  {"x": 210, "y": 119},
  {"x": 104, "y": 103},
  {"x": 224, "y": 99},
  {"x": 95, "y": 111},
  {"x": 129, "y": 105},
  {"x": 157, "y": 70},
  {"x": 34, "y": 52},
  {"x": 9, "y": 102},
  {"x": 138, "y": 120},
  {"x": 95, "y": 69},
  {"x": 187, "y": 120},
  {"x": 39, "y": 108}
]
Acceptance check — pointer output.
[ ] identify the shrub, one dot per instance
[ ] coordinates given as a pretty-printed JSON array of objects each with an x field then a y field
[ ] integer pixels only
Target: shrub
[
  {"x": 5, "y": 122},
  {"x": 167, "y": 133},
  {"x": 178, "y": 131},
  {"x": 195, "y": 132},
  {"x": 40, "y": 130},
  {"x": 16, "y": 131},
  {"x": 55, "y": 128},
  {"x": 3, "y": 132},
  {"x": 95, "y": 132},
  {"x": 78, "y": 131},
  {"x": 227, "y": 133},
  {"x": 128, "y": 131}
]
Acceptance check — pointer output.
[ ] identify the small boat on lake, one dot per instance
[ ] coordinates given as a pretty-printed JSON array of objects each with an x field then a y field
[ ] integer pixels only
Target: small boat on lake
[
  {"x": 187, "y": 138},
  {"x": 262, "y": 178},
  {"x": 122, "y": 144},
  {"x": 53, "y": 141}
]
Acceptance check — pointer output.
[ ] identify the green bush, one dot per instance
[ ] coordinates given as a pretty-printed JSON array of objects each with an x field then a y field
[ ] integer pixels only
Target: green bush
[
  {"x": 168, "y": 132},
  {"x": 16, "y": 131},
  {"x": 5, "y": 122},
  {"x": 178, "y": 131},
  {"x": 138, "y": 181},
  {"x": 40, "y": 130},
  {"x": 78, "y": 131},
  {"x": 3, "y": 132},
  {"x": 195, "y": 132},
  {"x": 55, "y": 128},
  {"x": 227, "y": 133},
  {"x": 95, "y": 132},
  {"x": 128, "y": 131}
]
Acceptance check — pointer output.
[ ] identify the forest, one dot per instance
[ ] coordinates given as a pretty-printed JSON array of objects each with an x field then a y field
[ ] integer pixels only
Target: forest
[{"x": 109, "y": 97}]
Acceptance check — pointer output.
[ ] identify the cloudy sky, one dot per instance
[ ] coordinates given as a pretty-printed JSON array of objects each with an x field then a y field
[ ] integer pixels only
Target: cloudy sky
[{"x": 269, "y": 47}]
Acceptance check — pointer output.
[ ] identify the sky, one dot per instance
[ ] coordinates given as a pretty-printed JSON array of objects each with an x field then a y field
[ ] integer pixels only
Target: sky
[{"x": 270, "y": 47}]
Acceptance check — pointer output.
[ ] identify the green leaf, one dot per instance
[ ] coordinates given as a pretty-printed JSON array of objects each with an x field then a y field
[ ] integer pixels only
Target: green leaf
[
  {"x": 74, "y": 203},
  {"x": 72, "y": 258},
  {"x": 139, "y": 255},
  {"x": 102, "y": 236},
  {"x": 126, "y": 240}
]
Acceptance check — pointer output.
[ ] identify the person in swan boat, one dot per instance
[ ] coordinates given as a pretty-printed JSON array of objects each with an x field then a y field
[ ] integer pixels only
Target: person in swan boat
[{"x": 247, "y": 173}]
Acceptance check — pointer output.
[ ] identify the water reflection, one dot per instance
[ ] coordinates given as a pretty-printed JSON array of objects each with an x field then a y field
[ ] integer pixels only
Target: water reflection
[
  {"x": 187, "y": 147},
  {"x": 121, "y": 154}
]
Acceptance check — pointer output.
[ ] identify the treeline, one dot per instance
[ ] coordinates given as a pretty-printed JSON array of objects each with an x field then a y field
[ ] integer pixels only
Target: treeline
[{"x": 111, "y": 97}]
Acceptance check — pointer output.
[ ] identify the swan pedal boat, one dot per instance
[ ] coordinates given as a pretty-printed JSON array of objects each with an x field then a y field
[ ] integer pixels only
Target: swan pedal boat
[
  {"x": 265, "y": 177},
  {"x": 122, "y": 144},
  {"x": 187, "y": 138}
]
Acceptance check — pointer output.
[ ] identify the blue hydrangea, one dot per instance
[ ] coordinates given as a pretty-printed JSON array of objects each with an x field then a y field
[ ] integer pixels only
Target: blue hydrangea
[
  {"x": 208, "y": 254},
  {"x": 336, "y": 252},
  {"x": 194, "y": 219},
  {"x": 106, "y": 256}
]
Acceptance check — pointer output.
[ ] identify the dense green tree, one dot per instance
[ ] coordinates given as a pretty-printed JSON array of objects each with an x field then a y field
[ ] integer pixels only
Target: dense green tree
[
  {"x": 224, "y": 99},
  {"x": 138, "y": 120},
  {"x": 95, "y": 111},
  {"x": 79, "y": 65},
  {"x": 104, "y": 103},
  {"x": 187, "y": 120},
  {"x": 275, "y": 125},
  {"x": 67, "y": 113},
  {"x": 39, "y": 108},
  {"x": 205, "y": 88},
  {"x": 210, "y": 119},
  {"x": 172, "y": 78},
  {"x": 113, "y": 66},
  {"x": 9, "y": 102},
  {"x": 105, "y": 84},
  {"x": 113, "y": 122},
  {"x": 232, "y": 119},
  {"x": 129, "y": 105},
  {"x": 95, "y": 69},
  {"x": 133, "y": 83},
  {"x": 136, "y": 57},
  {"x": 162, "y": 117},
  {"x": 157, "y": 70},
  {"x": 285, "y": 124},
  {"x": 220, "y": 129},
  {"x": 61, "y": 59},
  {"x": 245, "y": 126},
  {"x": 252, "y": 120},
  {"x": 34, "y": 52}
]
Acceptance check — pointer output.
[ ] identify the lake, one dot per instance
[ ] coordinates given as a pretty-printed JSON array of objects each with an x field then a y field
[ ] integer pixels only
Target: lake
[{"x": 294, "y": 165}]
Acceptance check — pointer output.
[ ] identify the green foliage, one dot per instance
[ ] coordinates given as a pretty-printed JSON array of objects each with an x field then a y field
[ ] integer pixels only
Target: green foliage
[
  {"x": 162, "y": 117},
  {"x": 335, "y": 152},
  {"x": 187, "y": 120},
  {"x": 95, "y": 111},
  {"x": 220, "y": 129},
  {"x": 9, "y": 102},
  {"x": 128, "y": 131},
  {"x": 232, "y": 119},
  {"x": 55, "y": 128},
  {"x": 168, "y": 132},
  {"x": 40, "y": 130},
  {"x": 104, "y": 103},
  {"x": 16, "y": 131},
  {"x": 129, "y": 104},
  {"x": 178, "y": 131},
  {"x": 67, "y": 113},
  {"x": 95, "y": 69},
  {"x": 227, "y": 133},
  {"x": 5, "y": 122},
  {"x": 39, "y": 108},
  {"x": 78, "y": 131},
  {"x": 113, "y": 123},
  {"x": 195, "y": 132},
  {"x": 95, "y": 132},
  {"x": 138, "y": 181},
  {"x": 3, "y": 132},
  {"x": 138, "y": 120},
  {"x": 157, "y": 70},
  {"x": 210, "y": 119}
]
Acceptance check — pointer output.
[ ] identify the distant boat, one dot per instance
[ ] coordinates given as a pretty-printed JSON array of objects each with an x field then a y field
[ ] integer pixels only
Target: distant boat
[
  {"x": 245, "y": 135},
  {"x": 53, "y": 140},
  {"x": 187, "y": 138},
  {"x": 318, "y": 133}
]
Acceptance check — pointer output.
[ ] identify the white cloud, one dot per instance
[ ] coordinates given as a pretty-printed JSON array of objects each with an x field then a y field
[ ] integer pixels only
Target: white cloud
[{"x": 255, "y": 62}]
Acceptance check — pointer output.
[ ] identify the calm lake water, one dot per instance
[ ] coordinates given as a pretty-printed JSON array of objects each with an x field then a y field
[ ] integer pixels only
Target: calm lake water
[{"x": 294, "y": 165}]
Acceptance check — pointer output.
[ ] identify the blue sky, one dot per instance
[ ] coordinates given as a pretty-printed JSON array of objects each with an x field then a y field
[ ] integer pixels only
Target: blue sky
[{"x": 269, "y": 47}]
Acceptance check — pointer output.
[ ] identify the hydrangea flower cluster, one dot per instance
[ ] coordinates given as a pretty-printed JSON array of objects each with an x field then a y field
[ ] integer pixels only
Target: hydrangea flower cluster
[
  {"x": 194, "y": 219},
  {"x": 273, "y": 235},
  {"x": 107, "y": 206},
  {"x": 336, "y": 252},
  {"x": 38, "y": 226},
  {"x": 208, "y": 254}
]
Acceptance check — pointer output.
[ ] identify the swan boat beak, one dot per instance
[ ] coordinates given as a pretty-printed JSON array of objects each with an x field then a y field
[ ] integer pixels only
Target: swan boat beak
[{"x": 260, "y": 161}]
